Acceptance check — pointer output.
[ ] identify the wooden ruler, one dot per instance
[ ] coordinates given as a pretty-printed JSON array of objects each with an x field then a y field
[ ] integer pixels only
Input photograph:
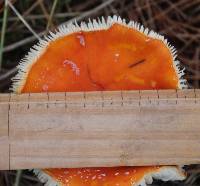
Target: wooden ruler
[{"x": 87, "y": 129}]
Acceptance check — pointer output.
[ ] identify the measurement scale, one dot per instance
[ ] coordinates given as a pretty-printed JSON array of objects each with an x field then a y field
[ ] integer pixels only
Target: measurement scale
[{"x": 89, "y": 129}]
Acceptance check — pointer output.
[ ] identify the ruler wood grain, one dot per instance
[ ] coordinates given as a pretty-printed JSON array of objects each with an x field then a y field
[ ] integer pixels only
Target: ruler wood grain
[{"x": 113, "y": 128}]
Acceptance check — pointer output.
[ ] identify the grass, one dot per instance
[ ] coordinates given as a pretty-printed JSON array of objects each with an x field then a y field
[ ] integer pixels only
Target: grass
[
  {"x": 3, "y": 30},
  {"x": 18, "y": 176},
  {"x": 55, "y": 2}
]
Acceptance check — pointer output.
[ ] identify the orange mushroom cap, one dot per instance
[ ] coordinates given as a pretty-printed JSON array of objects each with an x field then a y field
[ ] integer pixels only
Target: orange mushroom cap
[
  {"x": 112, "y": 176},
  {"x": 101, "y": 55}
]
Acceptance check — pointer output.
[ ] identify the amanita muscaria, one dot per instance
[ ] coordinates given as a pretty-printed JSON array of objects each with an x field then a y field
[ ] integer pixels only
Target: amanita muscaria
[{"x": 101, "y": 55}]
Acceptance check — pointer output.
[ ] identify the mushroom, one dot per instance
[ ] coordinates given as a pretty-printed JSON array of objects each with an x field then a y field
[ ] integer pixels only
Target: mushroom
[
  {"x": 109, "y": 176},
  {"x": 101, "y": 55}
]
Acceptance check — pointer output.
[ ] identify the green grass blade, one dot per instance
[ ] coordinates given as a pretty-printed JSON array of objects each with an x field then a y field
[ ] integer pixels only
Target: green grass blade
[{"x": 3, "y": 31}]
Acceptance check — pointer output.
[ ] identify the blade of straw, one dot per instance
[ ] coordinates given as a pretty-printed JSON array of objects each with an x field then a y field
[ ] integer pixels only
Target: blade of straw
[
  {"x": 3, "y": 30},
  {"x": 23, "y": 20}
]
